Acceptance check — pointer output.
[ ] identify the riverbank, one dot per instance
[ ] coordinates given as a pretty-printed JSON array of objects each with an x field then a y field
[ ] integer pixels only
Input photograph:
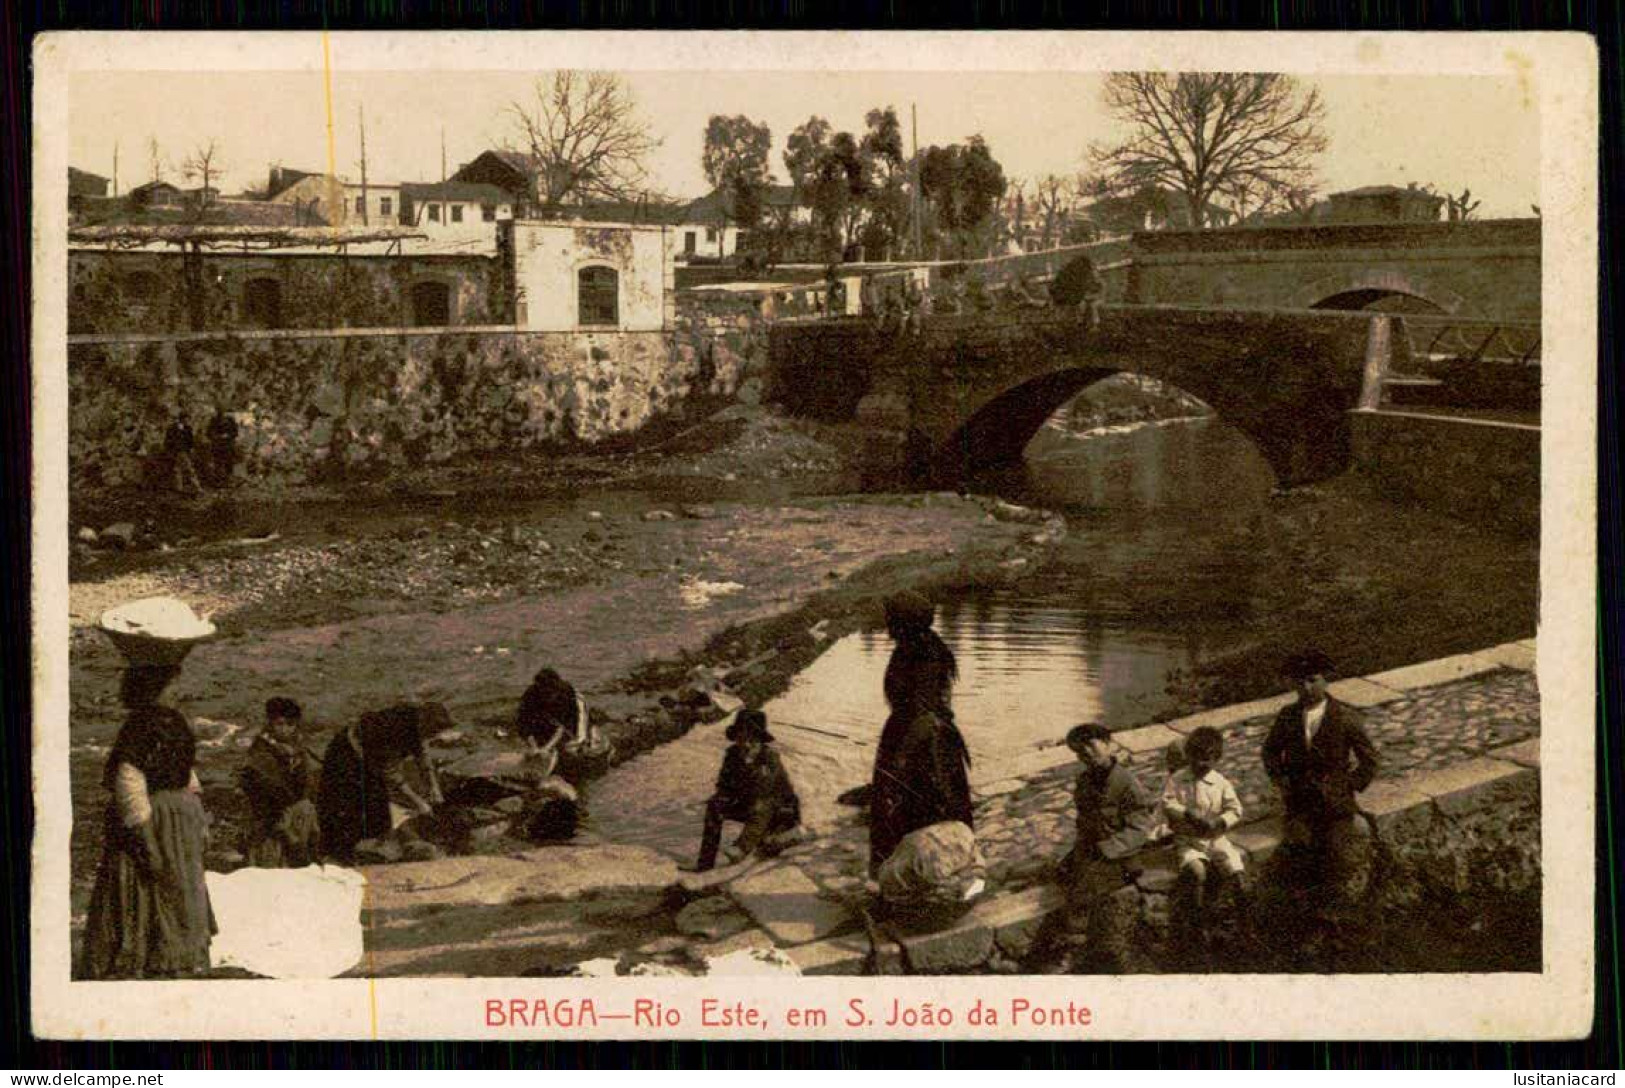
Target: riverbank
[
  {"x": 1456, "y": 804},
  {"x": 728, "y": 560},
  {"x": 463, "y": 608}
]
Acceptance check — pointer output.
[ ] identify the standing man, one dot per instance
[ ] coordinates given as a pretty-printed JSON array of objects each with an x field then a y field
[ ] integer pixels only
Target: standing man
[
  {"x": 1318, "y": 755},
  {"x": 179, "y": 444}
]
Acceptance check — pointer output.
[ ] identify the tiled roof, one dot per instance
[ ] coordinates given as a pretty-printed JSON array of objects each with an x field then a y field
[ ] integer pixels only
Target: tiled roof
[
  {"x": 472, "y": 192},
  {"x": 719, "y": 202}
]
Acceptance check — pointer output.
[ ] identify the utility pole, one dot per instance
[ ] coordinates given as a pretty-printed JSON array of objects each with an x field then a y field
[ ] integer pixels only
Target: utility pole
[
  {"x": 362, "y": 113},
  {"x": 442, "y": 154},
  {"x": 914, "y": 160},
  {"x": 115, "y": 168}
]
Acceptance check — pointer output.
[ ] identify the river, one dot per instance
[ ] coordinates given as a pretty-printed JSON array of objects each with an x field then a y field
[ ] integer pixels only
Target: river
[{"x": 1152, "y": 510}]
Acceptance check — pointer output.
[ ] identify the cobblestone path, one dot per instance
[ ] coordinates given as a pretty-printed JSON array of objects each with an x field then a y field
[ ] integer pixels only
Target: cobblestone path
[{"x": 1025, "y": 828}]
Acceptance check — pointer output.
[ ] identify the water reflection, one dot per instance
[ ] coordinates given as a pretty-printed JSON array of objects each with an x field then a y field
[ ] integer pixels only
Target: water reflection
[
  {"x": 1029, "y": 670},
  {"x": 1151, "y": 582},
  {"x": 1169, "y": 469}
]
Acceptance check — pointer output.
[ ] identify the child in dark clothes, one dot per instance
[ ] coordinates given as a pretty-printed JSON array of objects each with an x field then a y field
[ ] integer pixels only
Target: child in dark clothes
[
  {"x": 753, "y": 789},
  {"x": 279, "y": 780}
]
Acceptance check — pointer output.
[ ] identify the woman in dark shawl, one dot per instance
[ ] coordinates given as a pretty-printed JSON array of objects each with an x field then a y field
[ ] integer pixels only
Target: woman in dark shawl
[
  {"x": 363, "y": 773},
  {"x": 921, "y": 764},
  {"x": 550, "y": 715},
  {"x": 149, "y": 912}
]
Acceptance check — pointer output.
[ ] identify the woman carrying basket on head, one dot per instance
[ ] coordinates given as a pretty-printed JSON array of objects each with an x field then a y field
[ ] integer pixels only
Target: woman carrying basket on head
[{"x": 149, "y": 912}]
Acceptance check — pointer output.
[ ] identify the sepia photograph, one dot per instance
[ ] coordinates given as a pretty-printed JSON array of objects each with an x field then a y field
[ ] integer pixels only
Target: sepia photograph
[{"x": 733, "y": 509}]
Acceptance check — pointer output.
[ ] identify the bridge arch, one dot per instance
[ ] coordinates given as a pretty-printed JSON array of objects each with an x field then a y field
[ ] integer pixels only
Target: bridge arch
[
  {"x": 995, "y": 432},
  {"x": 1372, "y": 284}
]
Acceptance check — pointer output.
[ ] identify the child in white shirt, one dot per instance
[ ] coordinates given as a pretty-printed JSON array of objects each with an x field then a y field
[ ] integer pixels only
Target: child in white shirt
[{"x": 1201, "y": 805}]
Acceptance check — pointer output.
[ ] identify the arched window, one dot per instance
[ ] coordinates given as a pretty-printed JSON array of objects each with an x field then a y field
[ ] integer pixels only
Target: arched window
[
  {"x": 598, "y": 292},
  {"x": 431, "y": 303},
  {"x": 262, "y": 303}
]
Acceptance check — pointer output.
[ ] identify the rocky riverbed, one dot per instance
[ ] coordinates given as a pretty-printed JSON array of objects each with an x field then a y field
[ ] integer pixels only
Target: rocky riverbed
[{"x": 675, "y": 582}]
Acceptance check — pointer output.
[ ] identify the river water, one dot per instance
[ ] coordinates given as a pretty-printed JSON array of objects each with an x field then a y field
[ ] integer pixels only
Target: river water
[{"x": 1152, "y": 512}]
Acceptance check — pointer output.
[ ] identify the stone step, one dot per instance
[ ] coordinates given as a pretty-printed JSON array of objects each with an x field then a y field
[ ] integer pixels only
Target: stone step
[{"x": 785, "y": 901}]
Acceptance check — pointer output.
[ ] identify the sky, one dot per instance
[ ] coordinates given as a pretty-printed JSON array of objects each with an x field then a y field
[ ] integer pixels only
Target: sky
[{"x": 1456, "y": 132}]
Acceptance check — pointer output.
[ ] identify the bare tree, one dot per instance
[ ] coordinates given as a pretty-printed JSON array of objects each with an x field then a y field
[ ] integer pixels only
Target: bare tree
[
  {"x": 1462, "y": 208},
  {"x": 585, "y": 139},
  {"x": 204, "y": 166},
  {"x": 1251, "y": 136},
  {"x": 1013, "y": 213},
  {"x": 1053, "y": 198}
]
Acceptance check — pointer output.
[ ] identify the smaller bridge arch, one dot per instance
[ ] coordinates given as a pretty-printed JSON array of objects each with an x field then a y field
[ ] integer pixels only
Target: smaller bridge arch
[{"x": 1368, "y": 285}]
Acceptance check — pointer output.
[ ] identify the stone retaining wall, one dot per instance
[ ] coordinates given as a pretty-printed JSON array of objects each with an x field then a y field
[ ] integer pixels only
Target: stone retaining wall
[
  {"x": 115, "y": 291},
  {"x": 319, "y": 405},
  {"x": 1478, "y": 470}
]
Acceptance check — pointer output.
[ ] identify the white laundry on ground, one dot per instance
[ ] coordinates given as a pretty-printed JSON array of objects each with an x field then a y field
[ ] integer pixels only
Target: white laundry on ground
[{"x": 288, "y": 923}]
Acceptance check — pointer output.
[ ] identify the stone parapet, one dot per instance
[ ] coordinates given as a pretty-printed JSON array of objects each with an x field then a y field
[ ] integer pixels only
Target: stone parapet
[{"x": 1418, "y": 814}]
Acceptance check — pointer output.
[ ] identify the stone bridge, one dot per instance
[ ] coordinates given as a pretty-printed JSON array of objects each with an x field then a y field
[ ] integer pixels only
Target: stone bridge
[
  {"x": 967, "y": 393},
  {"x": 1281, "y": 330},
  {"x": 1488, "y": 269}
]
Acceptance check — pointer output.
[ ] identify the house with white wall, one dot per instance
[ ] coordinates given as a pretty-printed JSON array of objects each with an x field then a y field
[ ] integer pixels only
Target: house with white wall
[
  {"x": 708, "y": 227},
  {"x": 592, "y": 276},
  {"x": 329, "y": 200},
  {"x": 455, "y": 207},
  {"x": 371, "y": 205}
]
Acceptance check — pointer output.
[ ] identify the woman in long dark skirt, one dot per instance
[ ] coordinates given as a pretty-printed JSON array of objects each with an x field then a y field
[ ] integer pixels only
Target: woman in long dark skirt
[
  {"x": 149, "y": 912},
  {"x": 921, "y": 763}
]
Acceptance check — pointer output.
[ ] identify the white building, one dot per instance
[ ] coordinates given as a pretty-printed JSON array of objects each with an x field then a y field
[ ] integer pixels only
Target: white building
[
  {"x": 609, "y": 276},
  {"x": 453, "y": 207},
  {"x": 371, "y": 205},
  {"x": 707, "y": 227},
  {"x": 325, "y": 199}
]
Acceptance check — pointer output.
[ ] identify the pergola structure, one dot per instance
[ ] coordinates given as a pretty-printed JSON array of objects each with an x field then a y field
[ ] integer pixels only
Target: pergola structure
[{"x": 197, "y": 237}]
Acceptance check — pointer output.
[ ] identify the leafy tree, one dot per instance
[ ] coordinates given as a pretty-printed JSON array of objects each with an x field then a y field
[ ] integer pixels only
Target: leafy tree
[
  {"x": 856, "y": 186},
  {"x": 831, "y": 179},
  {"x": 804, "y": 150},
  {"x": 886, "y": 194},
  {"x": 735, "y": 147},
  {"x": 1246, "y": 136},
  {"x": 963, "y": 183},
  {"x": 735, "y": 162}
]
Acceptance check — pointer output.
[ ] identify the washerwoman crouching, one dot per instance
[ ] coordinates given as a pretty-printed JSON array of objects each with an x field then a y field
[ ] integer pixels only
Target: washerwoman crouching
[{"x": 365, "y": 792}]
